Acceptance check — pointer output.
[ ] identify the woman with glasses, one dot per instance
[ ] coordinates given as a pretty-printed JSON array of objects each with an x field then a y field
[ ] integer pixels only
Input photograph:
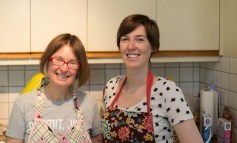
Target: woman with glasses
[{"x": 58, "y": 111}]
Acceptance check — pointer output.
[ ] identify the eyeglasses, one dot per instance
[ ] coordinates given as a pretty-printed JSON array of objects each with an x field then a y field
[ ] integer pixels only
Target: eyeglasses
[{"x": 60, "y": 62}]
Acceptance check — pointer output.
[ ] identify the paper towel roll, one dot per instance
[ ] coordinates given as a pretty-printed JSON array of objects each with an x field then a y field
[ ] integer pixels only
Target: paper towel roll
[
  {"x": 209, "y": 105},
  {"x": 207, "y": 102}
]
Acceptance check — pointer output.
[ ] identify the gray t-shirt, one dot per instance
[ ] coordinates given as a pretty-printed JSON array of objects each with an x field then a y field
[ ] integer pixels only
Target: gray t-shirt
[{"x": 59, "y": 115}]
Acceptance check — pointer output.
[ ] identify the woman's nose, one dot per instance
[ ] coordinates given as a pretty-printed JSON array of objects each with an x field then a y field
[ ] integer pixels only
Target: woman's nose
[
  {"x": 131, "y": 44},
  {"x": 64, "y": 67}
]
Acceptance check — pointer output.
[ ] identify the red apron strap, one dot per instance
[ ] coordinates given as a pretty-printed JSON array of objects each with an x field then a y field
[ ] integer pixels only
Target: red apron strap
[{"x": 148, "y": 90}]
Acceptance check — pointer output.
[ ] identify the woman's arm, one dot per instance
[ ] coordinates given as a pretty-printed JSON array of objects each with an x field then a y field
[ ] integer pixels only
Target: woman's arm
[
  {"x": 188, "y": 132},
  {"x": 13, "y": 140}
]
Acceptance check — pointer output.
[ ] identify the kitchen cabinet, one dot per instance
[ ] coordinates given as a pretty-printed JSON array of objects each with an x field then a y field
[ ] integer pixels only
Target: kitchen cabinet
[
  {"x": 50, "y": 18},
  {"x": 29, "y": 25},
  {"x": 188, "y": 25},
  {"x": 104, "y": 17},
  {"x": 187, "y": 28},
  {"x": 15, "y": 26},
  {"x": 228, "y": 24}
]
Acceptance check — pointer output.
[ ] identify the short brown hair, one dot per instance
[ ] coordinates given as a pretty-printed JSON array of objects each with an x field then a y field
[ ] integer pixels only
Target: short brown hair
[
  {"x": 78, "y": 49},
  {"x": 131, "y": 22}
]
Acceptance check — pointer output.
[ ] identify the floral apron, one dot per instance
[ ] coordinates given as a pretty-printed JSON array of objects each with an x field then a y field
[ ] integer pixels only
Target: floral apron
[
  {"x": 125, "y": 126},
  {"x": 42, "y": 133}
]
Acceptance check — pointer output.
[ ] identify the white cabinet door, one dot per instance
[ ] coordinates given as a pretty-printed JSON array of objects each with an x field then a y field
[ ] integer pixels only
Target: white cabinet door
[
  {"x": 15, "y": 25},
  {"x": 104, "y": 17},
  {"x": 188, "y": 24},
  {"x": 50, "y": 18},
  {"x": 228, "y": 24}
]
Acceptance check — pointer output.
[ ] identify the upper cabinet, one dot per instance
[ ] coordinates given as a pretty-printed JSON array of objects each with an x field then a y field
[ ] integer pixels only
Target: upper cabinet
[
  {"x": 104, "y": 17},
  {"x": 29, "y": 25},
  {"x": 188, "y": 25},
  {"x": 50, "y": 18},
  {"x": 15, "y": 25},
  {"x": 228, "y": 24}
]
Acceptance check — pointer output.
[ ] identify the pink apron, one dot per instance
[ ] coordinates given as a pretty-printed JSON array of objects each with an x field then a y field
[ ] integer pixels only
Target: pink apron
[
  {"x": 126, "y": 126},
  {"x": 42, "y": 133}
]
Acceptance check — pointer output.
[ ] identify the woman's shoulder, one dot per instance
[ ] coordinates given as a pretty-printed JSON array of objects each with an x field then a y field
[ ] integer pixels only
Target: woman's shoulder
[
  {"x": 113, "y": 82},
  {"x": 164, "y": 85},
  {"x": 86, "y": 101},
  {"x": 161, "y": 81},
  {"x": 85, "y": 96},
  {"x": 26, "y": 97},
  {"x": 26, "y": 101},
  {"x": 115, "y": 79}
]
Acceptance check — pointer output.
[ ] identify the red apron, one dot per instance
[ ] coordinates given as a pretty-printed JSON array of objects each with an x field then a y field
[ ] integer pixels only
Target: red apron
[
  {"x": 127, "y": 126},
  {"x": 42, "y": 133}
]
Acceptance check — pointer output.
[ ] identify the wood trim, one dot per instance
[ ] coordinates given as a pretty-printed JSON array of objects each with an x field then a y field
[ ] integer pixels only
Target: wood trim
[
  {"x": 187, "y": 53},
  {"x": 108, "y": 54}
]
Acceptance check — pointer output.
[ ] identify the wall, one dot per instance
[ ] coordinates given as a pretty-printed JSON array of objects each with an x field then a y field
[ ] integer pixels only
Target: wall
[
  {"x": 224, "y": 75},
  {"x": 191, "y": 77},
  {"x": 14, "y": 78},
  {"x": 225, "y": 72}
]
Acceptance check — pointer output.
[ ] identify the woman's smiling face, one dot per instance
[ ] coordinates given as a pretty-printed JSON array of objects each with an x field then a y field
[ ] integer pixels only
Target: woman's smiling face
[
  {"x": 62, "y": 75},
  {"x": 135, "y": 48}
]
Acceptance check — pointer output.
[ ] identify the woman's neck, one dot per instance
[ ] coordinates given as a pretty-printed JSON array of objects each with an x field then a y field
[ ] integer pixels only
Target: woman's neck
[
  {"x": 137, "y": 77},
  {"x": 133, "y": 90},
  {"x": 135, "y": 80},
  {"x": 54, "y": 93}
]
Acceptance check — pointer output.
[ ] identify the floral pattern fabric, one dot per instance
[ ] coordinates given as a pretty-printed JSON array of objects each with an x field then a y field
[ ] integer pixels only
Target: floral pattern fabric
[{"x": 122, "y": 126}]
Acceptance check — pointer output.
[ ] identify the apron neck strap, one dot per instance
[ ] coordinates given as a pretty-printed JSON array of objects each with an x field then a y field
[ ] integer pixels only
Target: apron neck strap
[
  {"x": 39, "y": 104},
  {"x": 148, "y": 90}
]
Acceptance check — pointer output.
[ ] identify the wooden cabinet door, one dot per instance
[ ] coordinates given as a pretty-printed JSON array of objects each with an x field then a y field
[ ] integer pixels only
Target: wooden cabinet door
[
  {"x": 104, "y": 17},
  {"x": 50, "y": 18},
  {"x": 15, "y": 26},
  {"x": 188, "y": 25}
]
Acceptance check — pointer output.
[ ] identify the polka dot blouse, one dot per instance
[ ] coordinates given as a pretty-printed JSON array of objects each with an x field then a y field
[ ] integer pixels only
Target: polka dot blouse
[{"x": 168, "y": 106}]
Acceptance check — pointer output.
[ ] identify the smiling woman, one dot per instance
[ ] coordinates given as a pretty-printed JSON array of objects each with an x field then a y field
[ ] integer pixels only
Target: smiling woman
[
  {"x": 54, "y": 112},
  {"x": 140, "y": 106},
  {"x": 61, "y": 75},
  {"x": 133, "y": 47}
]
